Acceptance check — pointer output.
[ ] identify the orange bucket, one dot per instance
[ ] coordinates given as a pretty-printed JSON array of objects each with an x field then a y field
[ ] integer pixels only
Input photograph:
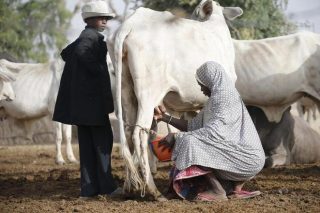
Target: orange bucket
[{"x": 162, "y": 155}]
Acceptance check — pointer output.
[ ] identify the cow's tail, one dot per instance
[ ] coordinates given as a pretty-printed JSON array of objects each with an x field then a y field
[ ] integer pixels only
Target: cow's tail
[{"x": 132, "y": 176}]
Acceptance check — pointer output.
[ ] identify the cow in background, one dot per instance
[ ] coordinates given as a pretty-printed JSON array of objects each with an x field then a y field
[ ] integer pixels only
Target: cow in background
[
  {"x": 156, "y": 56},
  {"x": 291, "y": 140},
  {"x": 274, "y": 73},
  {"x": 36, "y": 88}
]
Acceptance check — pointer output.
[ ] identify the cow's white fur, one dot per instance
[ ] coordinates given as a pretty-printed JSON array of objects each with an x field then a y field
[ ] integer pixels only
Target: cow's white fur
[
  {"x": 36, "y": 89},
  {"x": 156, "y": 56},
  {"x": 274, "y": 73}
]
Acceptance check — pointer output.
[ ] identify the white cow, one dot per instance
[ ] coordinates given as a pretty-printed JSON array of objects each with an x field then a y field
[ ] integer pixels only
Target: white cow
[
  {"x": 274, "y": 73},
  {"x": 36, "y": 90},
  {"x": 6, "y": 90},
  {"x": 156, "y": 56}
]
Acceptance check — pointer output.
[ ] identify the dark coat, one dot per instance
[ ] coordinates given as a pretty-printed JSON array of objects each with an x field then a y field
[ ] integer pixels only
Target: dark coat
[{"x": 84, "y": 96}]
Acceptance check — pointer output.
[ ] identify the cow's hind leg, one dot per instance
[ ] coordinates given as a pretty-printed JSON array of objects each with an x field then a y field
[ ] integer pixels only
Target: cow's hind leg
[
  {"x": 67, "y": 137},
  {"x": 276, "y": 160},
  {"x": 278, "y": 157},
  {"x": 144, "y": 120}
]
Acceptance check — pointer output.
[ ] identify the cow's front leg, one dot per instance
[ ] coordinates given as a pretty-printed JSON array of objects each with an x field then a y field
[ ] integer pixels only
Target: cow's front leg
[
  {"x": 67, "y": 137},
  {"x": 279, "y": 156},
  {"x": 58, "y": 130}
]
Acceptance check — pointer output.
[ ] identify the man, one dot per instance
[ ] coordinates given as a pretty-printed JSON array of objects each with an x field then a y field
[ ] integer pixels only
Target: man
[{"x": 85, "y": 99}]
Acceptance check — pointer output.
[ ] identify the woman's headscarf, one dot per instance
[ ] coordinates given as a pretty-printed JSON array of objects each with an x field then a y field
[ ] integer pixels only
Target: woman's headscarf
[
  {"x": 210, "y": 74},
  {"x": 223, "y": 92}
]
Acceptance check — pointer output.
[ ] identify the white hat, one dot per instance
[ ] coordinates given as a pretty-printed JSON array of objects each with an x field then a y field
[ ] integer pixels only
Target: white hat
[{"x": 96, "y": 8}]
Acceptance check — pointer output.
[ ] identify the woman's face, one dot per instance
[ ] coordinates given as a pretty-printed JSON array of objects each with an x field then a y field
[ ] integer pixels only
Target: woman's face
[{"x": 205, "y": 90}]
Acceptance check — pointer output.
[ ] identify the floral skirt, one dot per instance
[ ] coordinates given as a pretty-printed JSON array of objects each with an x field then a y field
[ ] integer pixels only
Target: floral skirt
[{"x": 189, "y": 182}]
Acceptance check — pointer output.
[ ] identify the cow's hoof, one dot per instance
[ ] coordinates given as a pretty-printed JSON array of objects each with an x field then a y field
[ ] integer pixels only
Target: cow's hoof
[
  {"x": 75, "y": 161},
  {"x": 60, "y": 162},
  {"x": 161, "y": 199}
]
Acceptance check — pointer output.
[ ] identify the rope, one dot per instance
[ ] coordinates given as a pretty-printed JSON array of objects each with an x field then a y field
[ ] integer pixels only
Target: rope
[
  {"x": 148, "y": 131},
  {"x": 143, "y": 190}
]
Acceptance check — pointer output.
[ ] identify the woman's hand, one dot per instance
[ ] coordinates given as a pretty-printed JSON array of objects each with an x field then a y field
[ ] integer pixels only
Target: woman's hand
[
  {"x": 158, "y": 112},
  {"x": 168, "y": 142}
]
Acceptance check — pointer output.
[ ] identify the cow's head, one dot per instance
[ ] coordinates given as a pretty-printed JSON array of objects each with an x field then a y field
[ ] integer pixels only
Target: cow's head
[
  {"x": 6, "y": 90},
  {"x": 206, "y": 8}
]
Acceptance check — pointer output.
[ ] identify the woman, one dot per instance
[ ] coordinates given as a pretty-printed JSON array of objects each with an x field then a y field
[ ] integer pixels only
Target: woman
[{"x": 219, "y": 148}]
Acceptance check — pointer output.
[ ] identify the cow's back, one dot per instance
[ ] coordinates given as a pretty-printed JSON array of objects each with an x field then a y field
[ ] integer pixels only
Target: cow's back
[
  {"x": 256, "y": 59},
  {"x": 162, "y": 46},
  {"x": 264, "y": 68}
]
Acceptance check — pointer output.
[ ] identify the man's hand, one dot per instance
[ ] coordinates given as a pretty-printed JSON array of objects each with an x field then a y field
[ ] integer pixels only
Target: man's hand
[
  {"x": 168, "y": 142},
  {"x": 158, "y": 112}
]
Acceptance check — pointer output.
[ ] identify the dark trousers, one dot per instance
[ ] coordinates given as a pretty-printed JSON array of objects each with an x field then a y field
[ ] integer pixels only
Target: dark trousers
[{"x": 95, "y": 147}]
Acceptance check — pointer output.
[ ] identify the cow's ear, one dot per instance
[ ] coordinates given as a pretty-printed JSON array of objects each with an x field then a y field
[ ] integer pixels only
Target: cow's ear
[
  {"x": 232, "y": 12},
  {"x": 205, "y": 10}
]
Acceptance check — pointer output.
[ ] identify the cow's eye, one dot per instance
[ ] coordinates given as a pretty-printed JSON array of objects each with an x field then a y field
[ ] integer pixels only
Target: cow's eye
[{"x": 217, "y": 3}]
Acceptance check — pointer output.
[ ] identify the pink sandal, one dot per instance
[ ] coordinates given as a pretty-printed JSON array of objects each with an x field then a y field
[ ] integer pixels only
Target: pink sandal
[{"x": 243, "y": 194}]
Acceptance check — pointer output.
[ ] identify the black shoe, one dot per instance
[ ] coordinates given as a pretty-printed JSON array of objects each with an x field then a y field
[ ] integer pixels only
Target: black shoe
[{"x": 116, "y": 193}]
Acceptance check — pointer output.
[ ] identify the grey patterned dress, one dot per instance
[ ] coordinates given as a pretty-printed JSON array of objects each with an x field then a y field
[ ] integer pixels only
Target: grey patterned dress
[{"x": 222, "y": 136}]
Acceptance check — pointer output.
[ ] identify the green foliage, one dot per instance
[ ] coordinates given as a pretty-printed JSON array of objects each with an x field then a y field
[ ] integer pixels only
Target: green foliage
[
  {"x": 31, "y": 29},
  {"x": 261, "y": 19},
  {"x": 161, "y": 5}
]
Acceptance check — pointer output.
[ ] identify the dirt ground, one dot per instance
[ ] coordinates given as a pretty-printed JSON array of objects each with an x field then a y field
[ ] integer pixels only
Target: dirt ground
[{"x": 31, "y": 182}]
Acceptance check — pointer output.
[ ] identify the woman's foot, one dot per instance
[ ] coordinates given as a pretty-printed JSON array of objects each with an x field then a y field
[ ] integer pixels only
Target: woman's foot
[
  {"x": 238, "y": 185},
  {"x": 242, "y": 194},
  {"x": 210, "y": 196}
]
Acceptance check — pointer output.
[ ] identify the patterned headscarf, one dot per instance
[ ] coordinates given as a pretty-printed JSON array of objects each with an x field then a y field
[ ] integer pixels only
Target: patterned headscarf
[
  {"x": 223, "y": 93},
  {"x": 210, "y": 74}
]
